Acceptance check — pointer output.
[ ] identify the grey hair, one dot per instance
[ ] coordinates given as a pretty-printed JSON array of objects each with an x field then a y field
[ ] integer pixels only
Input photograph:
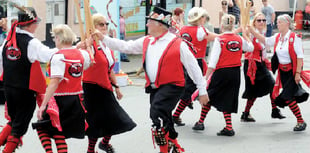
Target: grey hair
[
  {"x": 287, "y": 19},
  {"x": 64, "y": 34},
  {"x": 228, "y": 22}
]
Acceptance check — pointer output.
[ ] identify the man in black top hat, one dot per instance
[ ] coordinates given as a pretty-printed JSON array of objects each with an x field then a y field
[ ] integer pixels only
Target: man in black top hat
[
  {"x": 164, "y": 57},
  {"x": 20, "y": 61}
]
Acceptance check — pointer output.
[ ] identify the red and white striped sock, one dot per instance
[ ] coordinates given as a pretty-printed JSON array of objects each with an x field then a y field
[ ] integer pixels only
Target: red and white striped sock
[
  {"x": 204, "y": 111},
  {"x": 296, "y": 111},
  {"x": 227, "y": 117}
]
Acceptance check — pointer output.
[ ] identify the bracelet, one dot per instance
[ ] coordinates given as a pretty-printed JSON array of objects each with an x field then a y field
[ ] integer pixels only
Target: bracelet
[
  {"x": 114, "y": 85},
  {"x": 297, "y": 72}
]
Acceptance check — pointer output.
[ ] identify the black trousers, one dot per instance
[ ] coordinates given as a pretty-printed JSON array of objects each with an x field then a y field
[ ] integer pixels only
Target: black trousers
[
  {"x": 163, "y": 100},
  {"x": 21, "y": 105}
]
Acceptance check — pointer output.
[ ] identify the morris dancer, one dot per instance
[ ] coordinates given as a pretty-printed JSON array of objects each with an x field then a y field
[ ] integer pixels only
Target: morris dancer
[
  {"x": 62, "y": 93},
  {"x": 104, "y": 115},
  {"x": 196, "y": 34},
  {"x": 225, "y": 60},
  {"x": 258, "y": 80},
  {"x": 177, "y": 20},
  {"x": 23, "y": 79},
  {"x": 288, "y": 59},
  {"x": 163, "y": 54}
]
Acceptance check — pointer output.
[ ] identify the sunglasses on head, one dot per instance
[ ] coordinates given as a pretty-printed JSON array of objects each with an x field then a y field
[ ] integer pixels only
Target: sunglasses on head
[
  {"x": 103, "y": 24},
  {"x": 261, "y": 20}
]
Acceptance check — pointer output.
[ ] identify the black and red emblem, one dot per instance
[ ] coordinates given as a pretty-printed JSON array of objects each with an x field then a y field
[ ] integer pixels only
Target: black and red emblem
[
  {"x": 233, "y": 46},
  {"x": 76, "y": 69},
  {"x": 187, "y": 37},
  {"x": 13, "y": 54}
]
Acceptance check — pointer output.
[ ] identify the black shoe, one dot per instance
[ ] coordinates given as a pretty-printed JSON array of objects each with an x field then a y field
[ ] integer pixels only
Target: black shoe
[
  {"x": 198, "y": 126},
  {"x": 226, "y": 132},
  {"x": 125, "y": 60},
  {"x": 277, "y": 114},
  {"x": 246, "y": 117},
  {"x": 178, "y": 121},
  {"x": 190, "y": 106},
  {"x": 300, "y": 126},
  {"x": 106, "y": 147}
]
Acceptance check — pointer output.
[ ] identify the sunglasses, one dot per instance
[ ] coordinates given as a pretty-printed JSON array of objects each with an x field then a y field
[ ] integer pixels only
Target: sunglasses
[
  {"x": 224, "y": 3},
  {"x": 261, "y": 20},
  {"x": 103, "y": 24}
]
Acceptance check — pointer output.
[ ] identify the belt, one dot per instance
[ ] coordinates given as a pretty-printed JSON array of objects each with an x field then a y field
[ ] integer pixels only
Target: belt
[{"x": 286, "y": 67}]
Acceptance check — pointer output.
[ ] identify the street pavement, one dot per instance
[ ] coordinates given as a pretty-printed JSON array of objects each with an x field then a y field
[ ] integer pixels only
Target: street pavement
[{"x": 266, "y": 135}]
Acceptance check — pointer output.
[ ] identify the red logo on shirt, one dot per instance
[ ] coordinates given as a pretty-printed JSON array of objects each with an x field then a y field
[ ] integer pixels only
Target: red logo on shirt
[
  {"x": 233, "y": 46},
  {"x": 13, "y": 54},
  {"x": 76, "y": 70}
]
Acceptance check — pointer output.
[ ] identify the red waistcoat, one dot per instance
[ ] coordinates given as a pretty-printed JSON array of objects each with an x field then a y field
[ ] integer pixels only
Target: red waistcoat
[
  {"x": 291, "y": 49},
  {"x": 257, "y": 52},
  {"x": 293, "y": 56},
  {"x": 37, "y": 81},
  {"x": 231, "y": 45},
  {"x": 190, "y": 34},
  {"x": 170, "y": 67},
  {"x": 72, "y": 82},
  {"x": 99, "y": 73}
]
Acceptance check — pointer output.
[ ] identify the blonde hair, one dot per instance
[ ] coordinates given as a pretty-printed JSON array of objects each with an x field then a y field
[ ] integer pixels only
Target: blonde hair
[
  {"x": 287, "y": 19},
  {"x": 64, "y": 33},
  {"x": 228, "y": 22},
  {"x": 255, "y": 18},
  {"x": 97, "y": 18}
]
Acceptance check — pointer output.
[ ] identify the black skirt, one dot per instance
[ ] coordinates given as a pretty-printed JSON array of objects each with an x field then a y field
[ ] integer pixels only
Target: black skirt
[
  {"x": 190, "y": 86},
  {"x": 291, "y": 91},
  {"x": 104, "y": 114},
  {"x": 263, "y": 83},
  {"x": 71, "y": 116},
  {"x": 224, "y": 89}
]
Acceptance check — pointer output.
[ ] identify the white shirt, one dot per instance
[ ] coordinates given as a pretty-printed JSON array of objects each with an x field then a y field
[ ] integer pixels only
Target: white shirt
[
  {"x": 36, "y": 50},
  {"x": 216, "y": 50},
  {"x": 155, "y": 52},
  {"x": 201, "y": 33},
  {"x": 282, "y": 47},
  {"x": 106, "y": 50},
  {"x": 58, "y": 66}
]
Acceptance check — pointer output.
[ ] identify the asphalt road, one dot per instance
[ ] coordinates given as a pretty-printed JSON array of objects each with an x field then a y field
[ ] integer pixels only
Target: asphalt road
[{"x": 266, "y": 135}]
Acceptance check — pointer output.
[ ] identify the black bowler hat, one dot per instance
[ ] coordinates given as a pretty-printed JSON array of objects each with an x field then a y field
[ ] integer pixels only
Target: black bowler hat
[
  {"x": 28, "y": 14},
  {"x": 160, "y": 15}
]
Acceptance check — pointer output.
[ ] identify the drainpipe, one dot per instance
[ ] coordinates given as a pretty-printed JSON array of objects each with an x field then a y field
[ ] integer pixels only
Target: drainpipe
[{"x": 147, "y": 12}]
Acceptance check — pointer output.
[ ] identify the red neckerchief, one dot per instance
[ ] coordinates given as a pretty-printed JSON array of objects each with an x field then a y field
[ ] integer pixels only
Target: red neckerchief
[
  {"x": 278, "y": 85},
  {"x": 305, "y": 76},
  {"x": 156, "y": 38},
  {"x": 11, "y": 39},
  {"x": 252, "y": 68}
]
